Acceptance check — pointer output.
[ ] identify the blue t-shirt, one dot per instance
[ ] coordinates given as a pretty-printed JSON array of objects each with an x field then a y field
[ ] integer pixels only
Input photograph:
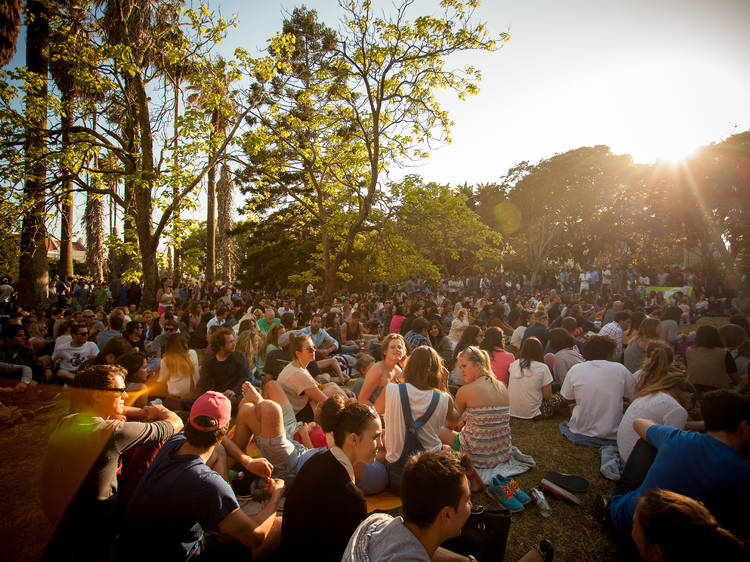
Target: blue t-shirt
[
  {"x": 177, "y": 498},
  {"x": 694, "y": 465}
]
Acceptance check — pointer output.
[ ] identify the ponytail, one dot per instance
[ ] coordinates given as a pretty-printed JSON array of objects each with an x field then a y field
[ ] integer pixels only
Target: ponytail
[{"x": 342, "y": 417}]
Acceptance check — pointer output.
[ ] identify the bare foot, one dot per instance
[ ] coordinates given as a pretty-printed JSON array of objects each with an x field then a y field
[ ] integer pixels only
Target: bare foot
[
  {"x": 250, "y": 394},
  {"x": 475, "y": 482}
]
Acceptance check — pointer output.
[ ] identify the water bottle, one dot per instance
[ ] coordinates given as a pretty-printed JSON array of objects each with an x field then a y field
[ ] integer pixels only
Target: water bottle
[{"x": 541, "y": 501}]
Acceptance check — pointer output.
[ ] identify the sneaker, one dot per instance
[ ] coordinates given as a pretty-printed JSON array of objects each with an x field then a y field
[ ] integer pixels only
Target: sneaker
[
  {"x": 559, "y": 491},
  {"x": 521, "y": 496},
  {"x": 503, "y": 494}
]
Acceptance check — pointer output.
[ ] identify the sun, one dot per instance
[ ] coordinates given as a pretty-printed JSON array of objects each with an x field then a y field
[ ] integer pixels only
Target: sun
[{"x": 671, "y": 151}]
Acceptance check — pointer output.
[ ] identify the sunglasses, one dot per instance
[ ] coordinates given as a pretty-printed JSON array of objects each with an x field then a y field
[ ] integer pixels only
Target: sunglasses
[
  {"x": 474, "y": 352},
  {"x": 169, "y": 329},
  {"x": 117, "y": 390},
  {"x": 310, "y": 349}
]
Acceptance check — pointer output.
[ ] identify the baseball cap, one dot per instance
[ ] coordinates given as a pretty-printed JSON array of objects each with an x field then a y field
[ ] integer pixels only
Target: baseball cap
[{"x": 213, "y": 405}]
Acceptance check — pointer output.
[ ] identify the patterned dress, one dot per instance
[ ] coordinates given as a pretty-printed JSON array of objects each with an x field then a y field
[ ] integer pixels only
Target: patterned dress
[{"x": 486, "y": 435}]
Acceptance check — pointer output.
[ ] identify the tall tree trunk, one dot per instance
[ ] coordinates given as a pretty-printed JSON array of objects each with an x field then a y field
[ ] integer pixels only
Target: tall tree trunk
[
  {"x": 33, "y": 275},
  {"x": 211, "y": 208},
  {"x": 66, "y": 214},
  {"x": 94, "y": 237},
  {"x": 224, "y": 224},
  {"x": 176, "y": 188}
]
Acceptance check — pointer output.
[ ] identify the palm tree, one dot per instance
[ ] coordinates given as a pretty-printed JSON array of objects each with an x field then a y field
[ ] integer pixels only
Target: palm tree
[
  {"x": 67, "y": 31},
  {"x": 225, "y": 241},
  {"x": 215, "y": 96}
]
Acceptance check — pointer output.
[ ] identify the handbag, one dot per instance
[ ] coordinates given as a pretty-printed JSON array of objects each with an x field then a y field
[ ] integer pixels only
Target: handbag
[{"x": 484, "y": 535}]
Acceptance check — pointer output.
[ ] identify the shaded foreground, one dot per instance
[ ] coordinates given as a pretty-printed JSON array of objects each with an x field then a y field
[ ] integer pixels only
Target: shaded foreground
[{"x": 576, "y": 535}]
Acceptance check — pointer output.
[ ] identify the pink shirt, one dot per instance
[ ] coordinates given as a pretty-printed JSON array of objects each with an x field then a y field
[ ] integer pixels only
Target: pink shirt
[
  {"x": 500, "y": 361},
  {"x": 396, "y": 322}
]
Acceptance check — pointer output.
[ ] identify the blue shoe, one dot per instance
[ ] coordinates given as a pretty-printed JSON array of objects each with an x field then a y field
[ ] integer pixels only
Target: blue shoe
[
  {"x": 520, "y": 495},
  {"x": 503, "y": 494}
]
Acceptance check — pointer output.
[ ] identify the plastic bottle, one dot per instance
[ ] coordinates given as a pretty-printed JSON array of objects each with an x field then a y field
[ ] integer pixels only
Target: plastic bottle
[{"x": 541, "y": 501}]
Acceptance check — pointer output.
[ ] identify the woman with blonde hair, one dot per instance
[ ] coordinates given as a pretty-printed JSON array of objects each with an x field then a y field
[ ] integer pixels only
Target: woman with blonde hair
[
  {"x": 249, "y": 341},
  {"x": 483, "y": 406},
  {"x": 657, "y": 365},
  {"x": 635, "y": 353},
  {"x": 178, "y": 368},
  {"x": 665, "y": 401}
]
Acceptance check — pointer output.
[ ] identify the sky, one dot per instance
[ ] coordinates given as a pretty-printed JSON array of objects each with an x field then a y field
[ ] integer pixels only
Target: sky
[{"x": 651, "y": 78}]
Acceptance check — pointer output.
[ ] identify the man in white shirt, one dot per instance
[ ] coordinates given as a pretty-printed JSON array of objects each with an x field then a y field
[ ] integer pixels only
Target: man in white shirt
[
  {"x": 598, "y": 387},
  {"x": 74, "y": 353}
]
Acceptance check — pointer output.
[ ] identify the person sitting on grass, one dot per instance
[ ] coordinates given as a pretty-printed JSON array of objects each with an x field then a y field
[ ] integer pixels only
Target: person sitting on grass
[
  {"x": 300, "y": 387},
  {"x": 707, "y": 467},
  {"x": 385, "y": 371},
  {"x": 436, "y": 505},
  {"x": 422, "y": 396},
  {"x": 530, "y": 383},
  {"x": 80, "y": 474},
  {"x": 136, "y": 365},
  {"x": 482, "y": 404},
  {"x": 670, "y": 527},
  {"x": 72, "y": 355},
  {"x": 181, "y": 495},
  {"x": 598, "y": 387},
  {"x": 327, "y": 483}
]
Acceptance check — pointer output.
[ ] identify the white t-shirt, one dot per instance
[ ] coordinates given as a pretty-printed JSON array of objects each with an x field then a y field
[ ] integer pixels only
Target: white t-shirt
[
  {"x": 419, "y": 400},
  {"x": 658, "y": 407},
  {"x": 598, "y": 388},
  {"x": 525, "y": 388},
  {"x": 295, "y": 380},
  {"x": 517, "y": 336},
  {"x": 71, "y": 357}
]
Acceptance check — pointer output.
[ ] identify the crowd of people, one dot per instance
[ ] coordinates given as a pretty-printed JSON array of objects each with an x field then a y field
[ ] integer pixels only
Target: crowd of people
[{"x": 407, "y": 389}]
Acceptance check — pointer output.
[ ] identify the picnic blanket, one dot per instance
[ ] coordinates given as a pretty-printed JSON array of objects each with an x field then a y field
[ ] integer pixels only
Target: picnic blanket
[{"x": 384, "y": 501}]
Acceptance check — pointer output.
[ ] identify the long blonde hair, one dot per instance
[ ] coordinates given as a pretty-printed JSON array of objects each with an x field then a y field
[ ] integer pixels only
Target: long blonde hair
[
  {"x": 246, "y": 344},
  {"x": 176, "y": 358},
  {"x": 656, "y": 366},
  {"x": 475, "y": 355}
]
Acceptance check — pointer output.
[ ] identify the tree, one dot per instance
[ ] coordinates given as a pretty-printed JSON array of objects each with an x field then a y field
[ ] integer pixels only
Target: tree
[
  {"x": 434, "y": 232},
  {"x": 351, "y": 105},
  {"x": 10, "y": 26},
  {"x": 214, "y": 94},
  {"x": 225, "y": 241},
  {"x": 550, "y": 206},
  {"x": 32, "y": 275}
]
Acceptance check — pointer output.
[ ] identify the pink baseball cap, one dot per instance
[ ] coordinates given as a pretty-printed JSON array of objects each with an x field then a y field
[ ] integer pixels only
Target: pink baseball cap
[{"x": 213, "y": 405}]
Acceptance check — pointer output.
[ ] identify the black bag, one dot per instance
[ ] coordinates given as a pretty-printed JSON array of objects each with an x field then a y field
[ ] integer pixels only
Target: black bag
[{"x": 484, "y": 535}]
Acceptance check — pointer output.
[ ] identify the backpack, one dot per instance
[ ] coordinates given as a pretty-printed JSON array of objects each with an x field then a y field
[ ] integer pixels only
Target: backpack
[{"x": 412, "y": 444}]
